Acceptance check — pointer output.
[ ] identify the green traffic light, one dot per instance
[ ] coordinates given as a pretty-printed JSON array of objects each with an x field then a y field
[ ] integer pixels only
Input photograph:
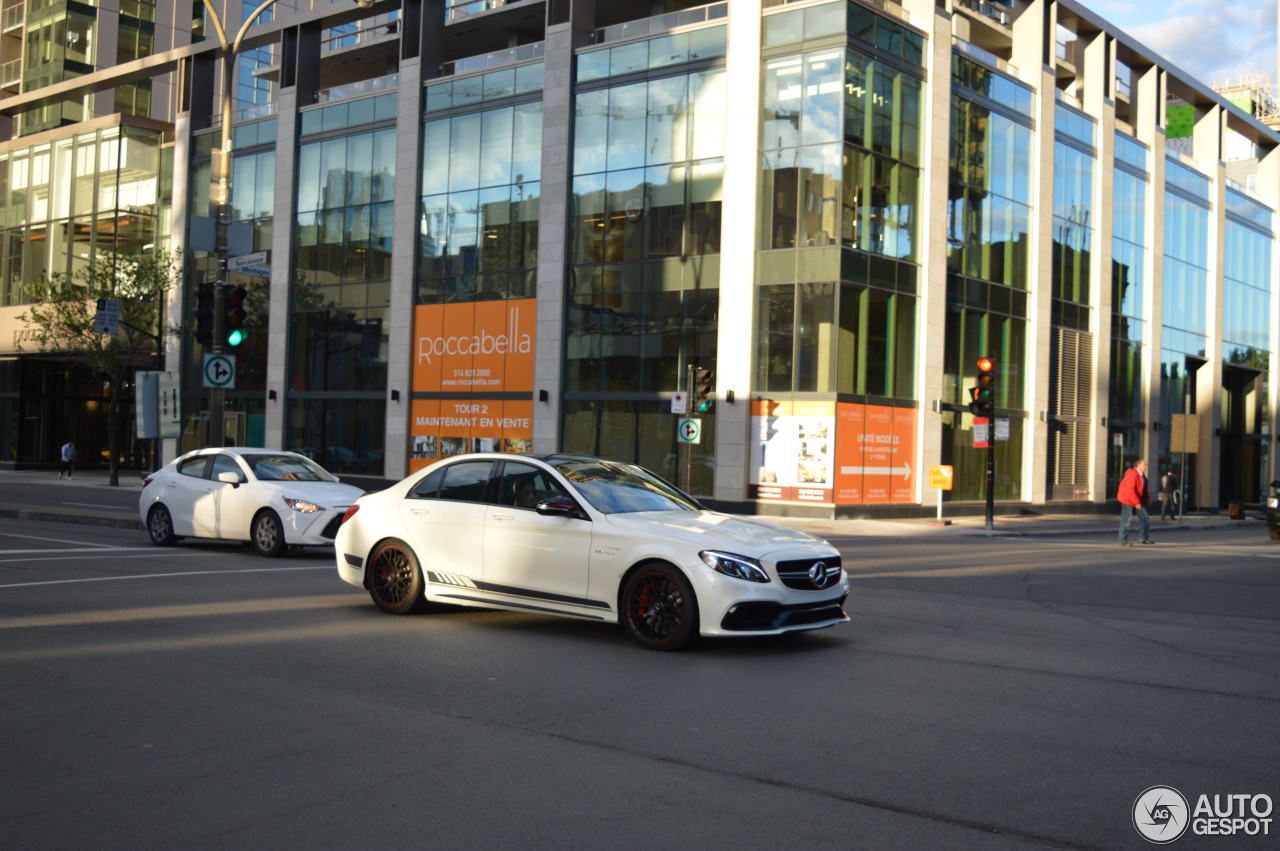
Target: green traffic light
[
  {"x": 704, "y": 406},
  {"x": 236, "y": 337}
]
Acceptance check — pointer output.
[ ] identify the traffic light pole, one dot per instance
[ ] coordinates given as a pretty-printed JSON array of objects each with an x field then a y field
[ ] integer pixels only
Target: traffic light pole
[
  {"x": 991, "y": 477},
  {"x": 688, "y": 447}
]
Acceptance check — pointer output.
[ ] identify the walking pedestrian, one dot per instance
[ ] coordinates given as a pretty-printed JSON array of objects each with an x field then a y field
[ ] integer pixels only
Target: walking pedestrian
[
  {"x": 68, "y": 457},
  {"x": 1169, "y": 497},
  {"x": 1134, "y": 496}
]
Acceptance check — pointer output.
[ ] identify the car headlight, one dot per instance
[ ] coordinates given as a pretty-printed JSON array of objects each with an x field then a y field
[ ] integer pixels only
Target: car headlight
[
  {"x": 739, "y": 567},
  {"x": 302, "y": 505}
]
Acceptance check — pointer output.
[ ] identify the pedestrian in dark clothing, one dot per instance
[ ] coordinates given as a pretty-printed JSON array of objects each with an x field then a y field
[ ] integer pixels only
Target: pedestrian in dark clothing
[
  {"x": 68, "y": 457},
  {"x": 1168, "y": 495},
  {"x": 1134, "y": 496}
]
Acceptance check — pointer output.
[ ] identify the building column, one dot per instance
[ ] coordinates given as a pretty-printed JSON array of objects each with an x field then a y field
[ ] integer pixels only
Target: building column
[
  {"x": 1099, "y": 62},
  {"x": 1269, "y": 175},
  {"x": 1150, "y": 129},
  {"x": 735, "y": 329},
  {"x": 1035, "y": 447},
  {"x": 403, "y": 260},
  {"x": 1207, "y": 138},
  {"x": 282, "y": 220},
  {"x": 931, "y": 325},
  {"x": 553, "y": 214},
  {"x": 177, "y": 243}
]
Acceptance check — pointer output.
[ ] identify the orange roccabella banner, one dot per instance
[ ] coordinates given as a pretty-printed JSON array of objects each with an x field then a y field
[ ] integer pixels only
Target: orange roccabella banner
[{"x": 486, "y": 350}]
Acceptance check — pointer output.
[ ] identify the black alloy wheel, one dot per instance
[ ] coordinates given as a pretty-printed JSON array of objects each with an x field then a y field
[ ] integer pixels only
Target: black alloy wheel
[
  {"x": 658, "y": 608},
  {"x": 268, "y": 534},
  {"x": 395, "y": 580},
  {"x": 160, "y": 527}
]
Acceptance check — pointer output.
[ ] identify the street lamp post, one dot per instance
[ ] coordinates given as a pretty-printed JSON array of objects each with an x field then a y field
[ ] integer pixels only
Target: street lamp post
[{"x": 220, "y": 194}]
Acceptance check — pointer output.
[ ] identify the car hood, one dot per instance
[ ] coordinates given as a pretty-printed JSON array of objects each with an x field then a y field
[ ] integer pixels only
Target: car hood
[
  {"x": 713, "y": 530},
  {"x": 326, "y": 494}
]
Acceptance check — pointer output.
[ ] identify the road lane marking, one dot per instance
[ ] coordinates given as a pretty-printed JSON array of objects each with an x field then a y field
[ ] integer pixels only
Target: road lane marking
[
  {"x": 127, "y": 508},
  {"x": 167, "y": 575},
  {"x": 48, "y": 551},
  {"x": 50, "y": 557},
  {"x": 60, "y": 541}
]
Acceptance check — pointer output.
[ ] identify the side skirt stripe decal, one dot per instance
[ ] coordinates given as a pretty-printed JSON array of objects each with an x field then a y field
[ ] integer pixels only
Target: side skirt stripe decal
[{"x": 509, "y": 605}]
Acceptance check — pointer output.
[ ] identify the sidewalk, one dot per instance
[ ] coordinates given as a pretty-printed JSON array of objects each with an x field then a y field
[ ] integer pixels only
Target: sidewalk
[{"x": 94, "y": 482}]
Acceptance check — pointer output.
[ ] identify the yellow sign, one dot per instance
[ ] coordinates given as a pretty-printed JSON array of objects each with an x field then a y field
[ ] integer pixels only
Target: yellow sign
[{"x": 940, "y": 476}]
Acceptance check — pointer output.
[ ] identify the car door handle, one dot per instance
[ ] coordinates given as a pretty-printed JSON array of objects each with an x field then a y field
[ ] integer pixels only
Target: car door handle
[
  {"x": 419, "y": 510},
  {"x": 502, "y": 518}
]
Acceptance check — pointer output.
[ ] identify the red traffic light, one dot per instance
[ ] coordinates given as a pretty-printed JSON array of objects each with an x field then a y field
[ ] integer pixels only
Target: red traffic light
[{"x": 986, "y": 365}]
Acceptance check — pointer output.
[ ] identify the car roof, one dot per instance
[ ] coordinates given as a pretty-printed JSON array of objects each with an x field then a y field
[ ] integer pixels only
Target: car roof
[{"x": 243, "y": 450}]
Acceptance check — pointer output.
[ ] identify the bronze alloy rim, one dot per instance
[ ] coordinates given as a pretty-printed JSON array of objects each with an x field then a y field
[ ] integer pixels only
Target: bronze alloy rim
[
  {"x": 391, "y": 578},
  {"x": 657, "y": 607}
]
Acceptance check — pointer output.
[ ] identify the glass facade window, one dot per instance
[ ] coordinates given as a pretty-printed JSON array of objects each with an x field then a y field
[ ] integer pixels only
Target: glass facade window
[
  {"x": 1186, "y": 276},
  {"x": 1072, "y": 223},
  {"x": 477, "y": 88},
  {"x": 1126, "y": 404},
  {"x": 1246, "y": 296},
  {"x": 478, "y": 224},
  {"x": 68, "y": 200},
  {"x": 352, "y": 113},
  {"x": 988, "y": 205},
  {"x": 1073, "y": 124},
  {"x": 991, "y": 85},
  {"x": 1131, "y": 152},
  {"x": 660, "y": 52}
]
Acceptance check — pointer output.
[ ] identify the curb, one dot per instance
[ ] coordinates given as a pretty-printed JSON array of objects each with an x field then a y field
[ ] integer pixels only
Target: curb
[
  {"x": 77, "y": 519},
  {"x": 1043, "y": 533}
]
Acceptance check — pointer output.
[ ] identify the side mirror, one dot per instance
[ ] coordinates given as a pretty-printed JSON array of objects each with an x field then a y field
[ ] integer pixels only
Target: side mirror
[
  {"x": 229, "y": 478},
  {"x": 558, "y": 506}
]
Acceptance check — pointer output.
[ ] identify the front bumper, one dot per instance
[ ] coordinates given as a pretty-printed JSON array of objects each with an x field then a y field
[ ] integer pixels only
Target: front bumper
[
  {"x": 768, "y": 617},
  {"x": 316, "y": 529}
]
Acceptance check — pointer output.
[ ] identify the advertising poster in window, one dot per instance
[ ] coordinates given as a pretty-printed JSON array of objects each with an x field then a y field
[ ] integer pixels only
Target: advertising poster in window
[
  {"x": 479, "y": 355},
  {"x": 793, "y": 445},
  {"x": 875, "y": 451}
]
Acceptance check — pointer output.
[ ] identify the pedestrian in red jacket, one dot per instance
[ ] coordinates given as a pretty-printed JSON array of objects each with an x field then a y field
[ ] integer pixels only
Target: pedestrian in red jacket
[{"x": 1135, "y": 496}]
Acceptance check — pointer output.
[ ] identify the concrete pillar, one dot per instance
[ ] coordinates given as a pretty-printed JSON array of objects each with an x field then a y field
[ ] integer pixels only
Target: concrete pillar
[
  {"x": 931, "y": 321},
  {"x": 736, "y": 330},
  {"x": 553, "y": 212},
  {"x": 106, "y": 37},
  {"x": 1035, "y": 447},
  {"x": 1207, "y": 138},
  {"x": 177, "y": 243},
  {"x": 282, "y": 214},
  {"x": 1099, "y": 62},
  {"x": 1269, "y": 175},
  {"x": 403, "y": 261},
  {"x": 1149, "y": 125}
]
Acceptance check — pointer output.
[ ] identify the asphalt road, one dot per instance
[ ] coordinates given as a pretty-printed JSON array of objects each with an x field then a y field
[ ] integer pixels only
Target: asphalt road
[{"x": 203, "y": 697}]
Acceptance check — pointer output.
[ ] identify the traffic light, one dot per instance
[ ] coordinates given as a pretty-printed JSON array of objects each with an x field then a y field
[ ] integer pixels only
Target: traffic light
[
  {"x": 703, "y": 390},
  {"x": 235, "y": 316},
  {"x": 204, "y": 314},
  {"x": 983, "y": 397}
]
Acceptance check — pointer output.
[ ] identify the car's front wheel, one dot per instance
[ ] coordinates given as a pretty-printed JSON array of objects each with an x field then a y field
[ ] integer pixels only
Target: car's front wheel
[
  {"x": 160, "y": 526},
  {"x": 395, "y": 579},
  {"x": 268, "y": 534},
  {"x": 658, "y": 608}
]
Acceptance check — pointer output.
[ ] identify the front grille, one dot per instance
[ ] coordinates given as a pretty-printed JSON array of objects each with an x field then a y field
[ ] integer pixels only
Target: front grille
[
  {"x": 746, "y": 617},
  {"x": 331, "y": 528},
  {"x": 795, "y": 573}
]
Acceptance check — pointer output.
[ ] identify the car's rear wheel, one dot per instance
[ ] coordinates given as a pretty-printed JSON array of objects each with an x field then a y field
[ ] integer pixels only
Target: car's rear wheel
[
  {"x": 268, "y": 534},
  {"x": 1275, "y": 533},
  {"x": 395, "y": 579},
  {"x": 160, "y": 527},
  {"x": 658, "y": 608}
]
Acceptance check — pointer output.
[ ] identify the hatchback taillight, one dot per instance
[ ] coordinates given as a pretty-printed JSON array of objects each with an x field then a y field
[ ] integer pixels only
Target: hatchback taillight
[{"x": 351, "y": 512}]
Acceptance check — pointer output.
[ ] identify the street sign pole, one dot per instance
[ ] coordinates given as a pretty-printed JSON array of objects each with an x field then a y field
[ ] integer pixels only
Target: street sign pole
[
  {"x": 991, "y": 485},
  {"x": 688, "y": 448}
]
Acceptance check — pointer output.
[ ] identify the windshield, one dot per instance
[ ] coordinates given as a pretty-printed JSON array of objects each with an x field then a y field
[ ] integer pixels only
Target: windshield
[
  {"x": 286, "y": 468},
  {"x": 616, "y": 488}
]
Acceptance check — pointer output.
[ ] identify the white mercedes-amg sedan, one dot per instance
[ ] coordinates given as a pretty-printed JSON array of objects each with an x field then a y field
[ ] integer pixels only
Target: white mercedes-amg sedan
[
  {"x": 270, "y": 498},
  {"x": 585, "y": 538}
]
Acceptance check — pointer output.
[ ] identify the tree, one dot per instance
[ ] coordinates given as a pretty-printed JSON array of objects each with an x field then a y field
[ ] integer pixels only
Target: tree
[{"x": 62, "y": 316}]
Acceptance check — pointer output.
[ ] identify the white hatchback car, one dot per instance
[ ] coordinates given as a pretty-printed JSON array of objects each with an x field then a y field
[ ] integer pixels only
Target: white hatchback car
[
  {"x": 585, "y": 538},
  {"x": 270, "y": 498}
]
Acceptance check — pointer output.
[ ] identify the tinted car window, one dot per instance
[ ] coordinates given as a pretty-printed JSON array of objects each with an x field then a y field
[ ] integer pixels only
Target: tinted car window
[
  {"x": 428, "y": 488},
  {"x": 466, "y": 481},
  {"x": 286, "y": 468},
  {"x": 617, "y": 488},
  {"x": 194, "y": 467},
  {"x": 225, "y": 464},
  {"x": 524, "y": 486}
]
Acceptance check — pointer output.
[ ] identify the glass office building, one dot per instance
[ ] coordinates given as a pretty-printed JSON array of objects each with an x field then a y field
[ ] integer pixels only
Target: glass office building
[{"x": 542, "y": 226}]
